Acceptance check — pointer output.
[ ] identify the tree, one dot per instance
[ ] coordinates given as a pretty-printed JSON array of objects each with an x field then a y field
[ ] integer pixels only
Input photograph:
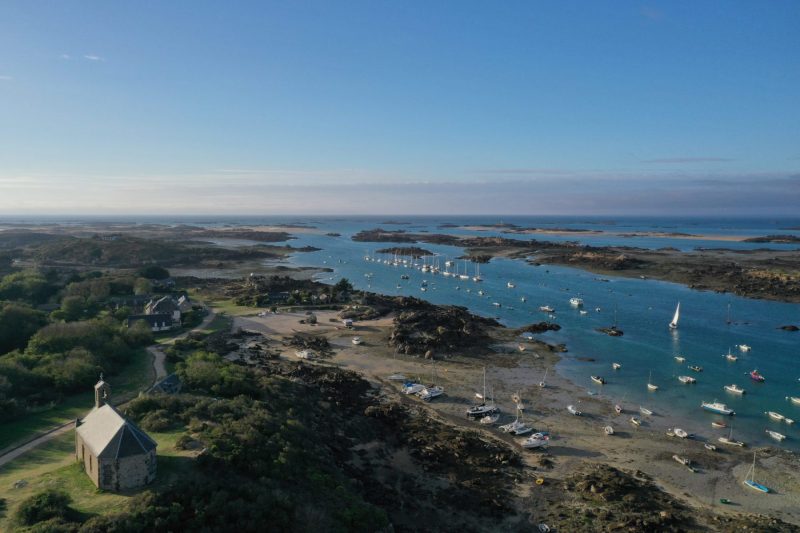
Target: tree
[
  {"x": 153, "y": 272},
  {"x": 142, "y": 286},
  {"x": 139, "y": 334},
  {"x": 18, "y": 323},
  {"x": 72, "y": 308}
]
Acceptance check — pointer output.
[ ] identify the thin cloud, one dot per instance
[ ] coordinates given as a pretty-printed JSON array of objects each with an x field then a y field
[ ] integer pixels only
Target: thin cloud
[
  {"x": 65, "y": 56},
  {"x": 688, "y": 160},
  {"x": 92, "y": 57},
  {"x": 521, "y": 171},
  {"x": 6, "y": 78}
]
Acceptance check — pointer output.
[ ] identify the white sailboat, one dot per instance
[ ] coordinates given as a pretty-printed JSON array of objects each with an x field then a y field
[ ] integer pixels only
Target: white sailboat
[
  {"x": 484, "y": 408},
  {"x": 543, "y": 383},
  {"x": 477, "y": 277},
  {"x": 674, "y": 323},
  {"x": 650, "y": 385}
]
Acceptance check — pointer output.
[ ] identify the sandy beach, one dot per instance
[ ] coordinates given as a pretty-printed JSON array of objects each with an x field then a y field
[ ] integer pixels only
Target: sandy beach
[{"x": 575, "y": 440}]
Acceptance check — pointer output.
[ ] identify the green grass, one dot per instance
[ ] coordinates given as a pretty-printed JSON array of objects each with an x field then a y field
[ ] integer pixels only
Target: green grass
[
  {"x": 53, "y": 466},
  {"x": 135, "y": 376},
  {"x": 220, "y": 322}
]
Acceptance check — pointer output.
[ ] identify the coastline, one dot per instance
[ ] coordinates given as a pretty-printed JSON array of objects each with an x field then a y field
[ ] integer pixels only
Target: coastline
[{"x": 576, "y": 440}]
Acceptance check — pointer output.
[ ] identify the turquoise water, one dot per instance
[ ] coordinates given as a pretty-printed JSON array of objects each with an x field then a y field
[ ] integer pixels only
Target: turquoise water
[{"x": 643, "y": 310}]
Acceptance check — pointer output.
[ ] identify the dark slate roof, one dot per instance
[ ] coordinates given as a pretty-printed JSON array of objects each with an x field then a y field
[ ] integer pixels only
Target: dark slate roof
[{"x": 111, "y": 436}]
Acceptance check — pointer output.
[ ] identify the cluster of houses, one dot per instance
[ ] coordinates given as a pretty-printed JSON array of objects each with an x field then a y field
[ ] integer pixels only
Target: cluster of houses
[{"x": 161, "y": 313}]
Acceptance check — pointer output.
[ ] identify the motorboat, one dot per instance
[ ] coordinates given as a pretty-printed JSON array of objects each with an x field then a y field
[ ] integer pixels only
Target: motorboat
[
  {"x": 488, "y": 420},
  {"x": 618, "y": 409},
  {"x": 616, "y": 366},
  {"x": 645, "y": 411},
  {"x": 537, "y": 440},
  {"x": 680, "y": 358},
  {"x": 356, "y": 340},
  {"x": 710, "y": 447},
  {"x": 510, "y": 285},
  {"x": 413, "y": 388},
  {"x": 775, "y": 435},
  {"x": 608, "y": 430},
  {"x": 636, "y": 421},
  {"x": 734, "y": 389},
  {"x": 681, "y": 433},
  {"x": 717, "y": 407},
  {"x": 719, "y": 425},
  {"x": 583, "y": 312},
  {"x": 695, "y": 368},
  {"x": 794, "y": 399},
  {"x": 546, "y": 309},
  {"x": 775, "y": 416},
  {"x": 744, "y": 348},
  {"x": 431, "y": 392},
  {"x": 689, "y": 380},
  {"x": 756, "y": 376},
  {"x": 682, "y": 460},
  {"x": 599, "y": 380},
  {"x": 576, "y": 302},
  {"x": 573, "y": 410}
]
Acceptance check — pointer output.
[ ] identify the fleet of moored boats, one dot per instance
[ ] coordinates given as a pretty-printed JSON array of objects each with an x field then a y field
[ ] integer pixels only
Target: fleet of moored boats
[{"x": 487, "y": 412}]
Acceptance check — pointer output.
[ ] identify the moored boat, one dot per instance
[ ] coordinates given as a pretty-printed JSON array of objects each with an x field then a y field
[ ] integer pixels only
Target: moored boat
[
  {"x": 680, "y": 358},
  {"x": 710, "y": 447},
  {"x": 645, "y": 411},
  {"x": 756, "y": 376},
  {"x": 719, "y": 425},
  {"x": 794, "y": 399},
  {"x": 687, "y": 379},
  {"x": 775, "y": 435},
  {"x": 599, "y": 380},
  {"x": 608, "y": 430},
  {"x": 537, "y": 440},
  {"x": 356, "y": 340},
  {"x": 573, "y": 410},
  {"x": 488, "y": 420},
  {"x": 744, "y": 348},
  {"x": 576, "y": 302},
  {"x": 717, "y": 407},
  {"x": 695, "y": 368},
  {"x": 431, "y": 392},
  {"x": 636, "y": 421},
  {"x": 734, "y": 389},
  {"x": 546, "y": 309},
  {"x": 676, "y": 317}
]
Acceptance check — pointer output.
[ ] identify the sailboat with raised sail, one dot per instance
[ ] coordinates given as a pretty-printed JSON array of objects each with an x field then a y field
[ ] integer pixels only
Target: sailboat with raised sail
[
  {"x": 650, "y": 385},
  {"x": 477, "y": 277},
  {"x": 750, "y": 478},
  {"x": 676, "y": 317}
]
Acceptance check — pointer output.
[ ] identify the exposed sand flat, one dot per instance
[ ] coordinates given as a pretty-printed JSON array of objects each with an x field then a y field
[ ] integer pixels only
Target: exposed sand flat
[{"x": 574, "y": 439}]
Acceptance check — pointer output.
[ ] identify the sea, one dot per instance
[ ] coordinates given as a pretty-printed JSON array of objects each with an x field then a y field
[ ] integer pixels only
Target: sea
[{"x": 711, "y": 324}]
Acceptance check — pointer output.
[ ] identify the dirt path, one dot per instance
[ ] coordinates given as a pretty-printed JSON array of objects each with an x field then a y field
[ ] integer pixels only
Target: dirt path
[{"x": 159, "y": 358}]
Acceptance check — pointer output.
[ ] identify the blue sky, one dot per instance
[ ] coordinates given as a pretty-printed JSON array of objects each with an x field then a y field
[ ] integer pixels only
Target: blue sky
[{"x": 400, "y": 107}]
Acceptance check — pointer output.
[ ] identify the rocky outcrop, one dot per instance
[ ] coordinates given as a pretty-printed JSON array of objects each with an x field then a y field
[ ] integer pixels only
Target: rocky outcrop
[
  {"x": 423, "y": 327},
  {"x": 539, "y": 327}
]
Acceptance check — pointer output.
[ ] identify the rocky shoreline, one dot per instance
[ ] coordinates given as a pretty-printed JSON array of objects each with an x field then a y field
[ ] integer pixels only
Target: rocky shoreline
[{"x": 765, "y": 274}]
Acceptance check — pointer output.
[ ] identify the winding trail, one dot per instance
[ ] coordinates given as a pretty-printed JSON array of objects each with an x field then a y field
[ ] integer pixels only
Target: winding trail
[{"x": 159, "y": 358}]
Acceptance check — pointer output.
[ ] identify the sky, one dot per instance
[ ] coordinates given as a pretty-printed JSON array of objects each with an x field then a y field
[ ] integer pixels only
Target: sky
[{"x": 400, "y": 107}]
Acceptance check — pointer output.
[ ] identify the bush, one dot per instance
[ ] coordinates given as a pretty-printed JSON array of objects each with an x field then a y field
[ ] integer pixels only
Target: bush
[
  {"x": 18, "y": 322},
  {"x": 153, "y": 272},
  {"x": 47, "y": 505}
]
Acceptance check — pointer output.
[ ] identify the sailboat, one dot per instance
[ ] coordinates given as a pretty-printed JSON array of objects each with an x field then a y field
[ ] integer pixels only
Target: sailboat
[
  {"x": 543, "y": 383},
  {"x": 650, "y": 385},
  {"x": 674, "y": 323},
  {"x": 750, "y": 478},
  {"x": 477, "y": 277},
  {"x": 483, "y": 408},
  {"x": 730, "y": 441},
  {"x": 465, "y": 275}
]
